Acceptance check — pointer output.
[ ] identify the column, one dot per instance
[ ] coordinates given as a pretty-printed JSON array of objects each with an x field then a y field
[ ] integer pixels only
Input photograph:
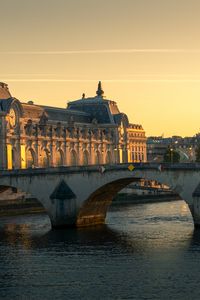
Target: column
[{"x": 3, "y": 151}]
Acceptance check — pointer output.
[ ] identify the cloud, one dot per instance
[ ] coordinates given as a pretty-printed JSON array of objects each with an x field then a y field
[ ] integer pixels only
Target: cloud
[
  {"x": 104, "y": 80},
  {"x": 103, "y": 51}
]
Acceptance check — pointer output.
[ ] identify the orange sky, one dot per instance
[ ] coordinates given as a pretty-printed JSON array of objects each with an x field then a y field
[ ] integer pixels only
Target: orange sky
[{"x": 145, "y": 52}]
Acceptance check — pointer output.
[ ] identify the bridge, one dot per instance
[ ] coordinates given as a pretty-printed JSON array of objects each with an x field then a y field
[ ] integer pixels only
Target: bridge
[{"x": 81, "y": 195}]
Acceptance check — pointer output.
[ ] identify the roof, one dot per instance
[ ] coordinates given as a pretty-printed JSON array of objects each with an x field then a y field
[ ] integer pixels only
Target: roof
[
  {"x": 62, "y": 114},
  {"x": 136, "y": 126},
  {"x": 86, "y": 110},
  {"x": 102, "y": 110},
  {"x": 93, "y": 100},
  {"x": 55, "y": 113},
  {"x": 121, "y": 118}
]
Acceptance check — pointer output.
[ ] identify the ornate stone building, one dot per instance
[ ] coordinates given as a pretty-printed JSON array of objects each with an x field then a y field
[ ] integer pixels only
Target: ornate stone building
[{"x": 89, "y": 131}]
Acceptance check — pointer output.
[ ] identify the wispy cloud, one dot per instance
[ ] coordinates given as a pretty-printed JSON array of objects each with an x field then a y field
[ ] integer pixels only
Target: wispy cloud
[
  {"x": 104, "y": 80},
  {"x": 26, "y": 74},
  {"x": 103, "y": 51}
]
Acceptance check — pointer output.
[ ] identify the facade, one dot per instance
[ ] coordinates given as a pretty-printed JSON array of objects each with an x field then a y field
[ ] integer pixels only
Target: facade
[{"x": 89, "y": 131}]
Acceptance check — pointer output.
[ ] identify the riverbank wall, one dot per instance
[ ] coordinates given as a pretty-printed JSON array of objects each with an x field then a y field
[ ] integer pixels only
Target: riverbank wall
[{"x": 142, "y": 199}]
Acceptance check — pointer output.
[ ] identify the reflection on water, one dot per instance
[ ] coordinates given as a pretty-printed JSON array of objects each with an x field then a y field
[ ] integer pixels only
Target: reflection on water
[{"x": 146, "y": 251}]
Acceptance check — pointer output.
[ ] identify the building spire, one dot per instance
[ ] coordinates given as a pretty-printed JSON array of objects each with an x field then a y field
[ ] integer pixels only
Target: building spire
[{"x": 99, "y": 91}]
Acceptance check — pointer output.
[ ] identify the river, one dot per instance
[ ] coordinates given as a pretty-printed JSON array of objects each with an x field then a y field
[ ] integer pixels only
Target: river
[{"x": 148, "y": 251}]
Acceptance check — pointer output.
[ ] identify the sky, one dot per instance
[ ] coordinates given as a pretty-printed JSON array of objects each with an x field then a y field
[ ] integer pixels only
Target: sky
[{"x": 145, "y": 52}]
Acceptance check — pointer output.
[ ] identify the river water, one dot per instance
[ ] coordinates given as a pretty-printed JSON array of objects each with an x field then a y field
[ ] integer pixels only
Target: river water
[{"x": 148, "y": 251}]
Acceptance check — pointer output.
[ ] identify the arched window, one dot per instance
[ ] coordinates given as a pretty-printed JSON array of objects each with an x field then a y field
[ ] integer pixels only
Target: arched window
[
  {"x": 124, "y": 156},
  {"x": 97, "y": 158},
  {"x": 108, "y": 157},
  {"x": 133, "y": 156},
  {"x": 45, "y": 158},
  {"x": 14, "y": 158},
  {"x": 85, "y": 158},
  {"x": 59, "y": 158},
  {"x": 30, "y": 158},
  {"x": 73, "y": 160}
]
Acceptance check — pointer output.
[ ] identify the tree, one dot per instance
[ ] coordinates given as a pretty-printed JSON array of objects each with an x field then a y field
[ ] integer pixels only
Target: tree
[
  {"x": 171, "y": 155},
  {"x": 197, "y": 153}
]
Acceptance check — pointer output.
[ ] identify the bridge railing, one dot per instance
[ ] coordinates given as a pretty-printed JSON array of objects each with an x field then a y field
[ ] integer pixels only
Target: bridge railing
[{"x": 105, "y": 167}]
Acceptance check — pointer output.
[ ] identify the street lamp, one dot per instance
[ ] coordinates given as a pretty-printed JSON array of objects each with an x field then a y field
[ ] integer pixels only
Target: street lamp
[
  {"x": 171, "y": 154},
  {"x": 115, "y": 154},
  {"x": 191, "y": 153}
]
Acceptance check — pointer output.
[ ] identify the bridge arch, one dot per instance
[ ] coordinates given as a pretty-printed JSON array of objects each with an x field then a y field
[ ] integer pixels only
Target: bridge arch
[
  {"x": 95, "y": 207},
  {"x": 22, "y": 193}
]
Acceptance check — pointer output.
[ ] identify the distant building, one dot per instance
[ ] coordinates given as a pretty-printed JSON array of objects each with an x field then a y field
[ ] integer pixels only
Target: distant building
[
  {"x": 89, "y": 131},
  {"x": 157, "y": 147}
]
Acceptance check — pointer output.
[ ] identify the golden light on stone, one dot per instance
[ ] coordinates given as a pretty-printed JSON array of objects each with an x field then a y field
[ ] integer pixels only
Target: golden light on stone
[
  {"x": 45, "y": 136},
  {"x": 9, "y": 157},
  {"x": 23, "y": 156},
  {"x": 12, "y": 117}
]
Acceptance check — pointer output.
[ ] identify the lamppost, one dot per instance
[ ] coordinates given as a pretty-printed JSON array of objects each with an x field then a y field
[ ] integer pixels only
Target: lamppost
[
  {"x": 171, "y": 155},
  {"x": 191, "y": 153},
  {"x": 115, "y": 154}
]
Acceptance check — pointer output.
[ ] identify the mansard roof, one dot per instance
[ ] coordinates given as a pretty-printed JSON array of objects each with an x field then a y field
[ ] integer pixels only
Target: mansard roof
[
  {"x": 62, "y": 114},
  {"x": 54, "y": 113},
  {"x": 121, "y": 118},
  {"x": 136, "y": 126},
  {"x": 94, "y": 108},
  {"x": 103, "y": 110},
  {"x": 85, "y": 110}
]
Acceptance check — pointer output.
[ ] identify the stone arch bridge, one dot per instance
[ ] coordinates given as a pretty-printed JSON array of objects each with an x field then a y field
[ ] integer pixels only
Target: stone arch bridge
[{"x": 80, "y": 196}]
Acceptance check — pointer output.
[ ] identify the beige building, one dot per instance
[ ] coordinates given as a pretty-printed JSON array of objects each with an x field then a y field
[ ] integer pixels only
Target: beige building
[
  {"x": 89, "y": 131},
  {"x": 137, "y": 143}
]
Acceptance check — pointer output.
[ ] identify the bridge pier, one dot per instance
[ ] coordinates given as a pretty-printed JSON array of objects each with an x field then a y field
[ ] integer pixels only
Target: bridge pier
[
  {"x": 195, "y": 206},
  {"x": 65, "y": 213},
  {"x": 68, "y": 209},
  {"x": 195, "y": 211},
  {"x": 62, "y": 213},
  {"x": 79, "y": 213}
]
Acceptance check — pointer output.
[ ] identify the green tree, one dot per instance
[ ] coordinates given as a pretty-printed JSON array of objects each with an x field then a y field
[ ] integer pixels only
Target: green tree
[
  {"x": 171, "y": 156},
  {"x": 197, "y": 153}
]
